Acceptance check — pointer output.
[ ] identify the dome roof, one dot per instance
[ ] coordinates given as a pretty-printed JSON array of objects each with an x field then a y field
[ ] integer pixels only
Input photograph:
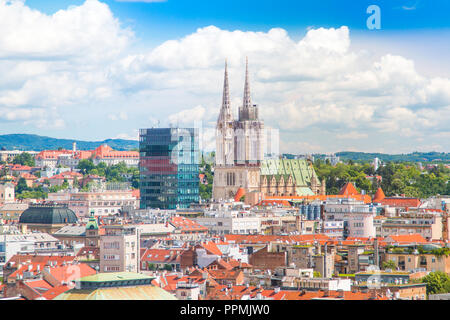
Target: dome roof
[{"x": 48, "y": 214}]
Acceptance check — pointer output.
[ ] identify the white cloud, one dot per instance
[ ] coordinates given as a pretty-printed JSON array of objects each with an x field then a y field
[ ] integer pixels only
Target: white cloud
[
  {"x": 120, "y": 116},
  {"x": 352, "y": 135},
  {"x": 127, "y": 136},
  {"x": 79, "y": 58}
]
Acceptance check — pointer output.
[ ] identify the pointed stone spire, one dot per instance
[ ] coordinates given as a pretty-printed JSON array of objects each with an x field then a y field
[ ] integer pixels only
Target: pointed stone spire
[
  {"x": 247, "y": 99},
  {"x": 225, "y": 111}
]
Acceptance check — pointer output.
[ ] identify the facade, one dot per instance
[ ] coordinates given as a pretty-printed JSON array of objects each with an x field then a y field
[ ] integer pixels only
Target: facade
[
  {"x": 240, "y": 163},
  {"x": 356, "y": 216},
  {"x": 6, "y": 193},
  {"x": 119, "y": 249},
  {"x": 239, "y": 145},
  {"x": 70, "y": 158},
  {"x": 220, "y": 225},
  {"x": 9, "y": 155},
  {"x": 412, "y": 261},
  {"x": 101, "y": 202},
  {"x": 169, "y": 166},
  {"x": 428, "y": 226}
]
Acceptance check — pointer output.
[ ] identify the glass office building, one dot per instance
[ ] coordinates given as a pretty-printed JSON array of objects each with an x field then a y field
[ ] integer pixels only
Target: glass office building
[{"x": 169, "y": 167}]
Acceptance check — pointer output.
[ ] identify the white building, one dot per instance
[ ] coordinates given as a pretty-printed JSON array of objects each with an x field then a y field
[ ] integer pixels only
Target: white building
[
  {"x": 356, "y": 216},
  {"x": 102, "y": 202},
  {"x": 231, "y": 222},
  {"x": 119, "y": 249},
  {"x": 6, "y": 193},
  {"x": 9, "y": 155}
]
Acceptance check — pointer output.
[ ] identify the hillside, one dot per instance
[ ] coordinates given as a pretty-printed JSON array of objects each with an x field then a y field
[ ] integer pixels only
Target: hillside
[
  {"x": 411, "y": 157},
  {"x": 31, "y": 142}
]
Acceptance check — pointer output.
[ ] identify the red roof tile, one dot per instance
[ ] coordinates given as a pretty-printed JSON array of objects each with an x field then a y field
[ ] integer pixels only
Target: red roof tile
[{"x": 348, "y": 190}]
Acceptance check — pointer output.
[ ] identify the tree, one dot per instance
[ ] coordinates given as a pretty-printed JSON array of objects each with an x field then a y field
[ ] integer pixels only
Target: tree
[
  {"x": 389, "y": 265},
  {"x": 24, "y": 159},
  {"x": 168, "y": 267},
  {"x": 437, "y": 282},
  {"x": 21, "y": 186},
  {"x": 85, "y": 166}
]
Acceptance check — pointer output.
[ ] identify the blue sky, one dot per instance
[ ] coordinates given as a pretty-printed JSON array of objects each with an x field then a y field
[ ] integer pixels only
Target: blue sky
[{"x": 142, "y": 78}]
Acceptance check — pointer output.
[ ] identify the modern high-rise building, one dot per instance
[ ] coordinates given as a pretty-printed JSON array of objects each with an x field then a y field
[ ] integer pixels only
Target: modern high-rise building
[{"x": 169, "y": 167}]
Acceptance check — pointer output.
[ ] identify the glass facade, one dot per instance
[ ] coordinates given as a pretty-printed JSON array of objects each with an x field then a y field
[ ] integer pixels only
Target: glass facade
[{"x": 169, "y": 167}]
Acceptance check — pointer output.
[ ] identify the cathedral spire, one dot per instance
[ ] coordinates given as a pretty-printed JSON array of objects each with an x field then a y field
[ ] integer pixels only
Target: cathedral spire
[
  {"x": 247, "y": 99},
  {"x": 225, "y": 111}
]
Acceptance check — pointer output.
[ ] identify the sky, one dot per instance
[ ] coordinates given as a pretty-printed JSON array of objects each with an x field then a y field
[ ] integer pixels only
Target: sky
[{"x": 92, "y": 70}]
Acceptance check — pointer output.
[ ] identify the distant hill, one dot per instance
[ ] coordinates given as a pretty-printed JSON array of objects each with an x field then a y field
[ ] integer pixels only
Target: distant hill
[
  {"x": 32, "y": 142},
  {"x": 411, "y": 157}
]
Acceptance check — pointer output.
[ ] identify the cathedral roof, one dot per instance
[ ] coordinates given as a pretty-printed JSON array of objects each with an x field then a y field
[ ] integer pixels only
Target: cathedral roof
[{"x": 299, "y": 169}]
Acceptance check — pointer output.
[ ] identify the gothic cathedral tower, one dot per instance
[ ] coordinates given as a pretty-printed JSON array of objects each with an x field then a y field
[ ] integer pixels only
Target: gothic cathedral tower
[{"x": 239, "y": 145}]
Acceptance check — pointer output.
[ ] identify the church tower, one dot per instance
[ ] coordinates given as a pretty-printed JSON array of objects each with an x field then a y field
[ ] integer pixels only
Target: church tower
[
  {"x": 224, "y": 128},
  {"x": 249, "y": 130},
  {"x": 239, "y": 145}
]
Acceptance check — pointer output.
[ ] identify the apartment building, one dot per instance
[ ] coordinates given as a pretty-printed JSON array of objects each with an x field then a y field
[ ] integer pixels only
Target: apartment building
[
  {"x": 357, "y": 217},
  {"x": 101, "y": 202},
  {"x": 428, "y": 226},
  {"x": 412, "y": 261},
  {"x": 119, "y": 249}
]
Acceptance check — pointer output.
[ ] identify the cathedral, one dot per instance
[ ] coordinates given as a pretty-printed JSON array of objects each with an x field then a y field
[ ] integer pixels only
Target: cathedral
[{"x": 240, "y": 163}]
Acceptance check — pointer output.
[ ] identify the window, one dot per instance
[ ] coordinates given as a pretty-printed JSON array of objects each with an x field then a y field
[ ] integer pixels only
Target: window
[{"x": 111, "y": 245}]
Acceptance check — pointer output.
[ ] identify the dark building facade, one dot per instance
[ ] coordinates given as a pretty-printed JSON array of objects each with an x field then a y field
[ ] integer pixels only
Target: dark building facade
[{"x": 169, "y": 167}]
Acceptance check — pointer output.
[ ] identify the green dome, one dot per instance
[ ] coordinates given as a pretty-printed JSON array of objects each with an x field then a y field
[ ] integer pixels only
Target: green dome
[{"x": 48, "y": 214}]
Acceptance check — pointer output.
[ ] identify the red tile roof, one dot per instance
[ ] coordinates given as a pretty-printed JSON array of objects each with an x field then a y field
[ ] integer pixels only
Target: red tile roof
[
  {"x": 186, "y": 225},
  {"x": 161, "y": 255},
  {"x": 406, "y": 238},
  {"x": 54, "y": 292},
  {"x": 71, "y": 272},
  {"x": 104, "y": 151},
  {"x": 212, "y": 248},
  {"x": 379, "y": 195},
  {"x": 39, "y": 284},
  {"x": 400, "y": 202},
  {"x": 239, "y": 194},
  {"x": 348, "y": 190}
]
